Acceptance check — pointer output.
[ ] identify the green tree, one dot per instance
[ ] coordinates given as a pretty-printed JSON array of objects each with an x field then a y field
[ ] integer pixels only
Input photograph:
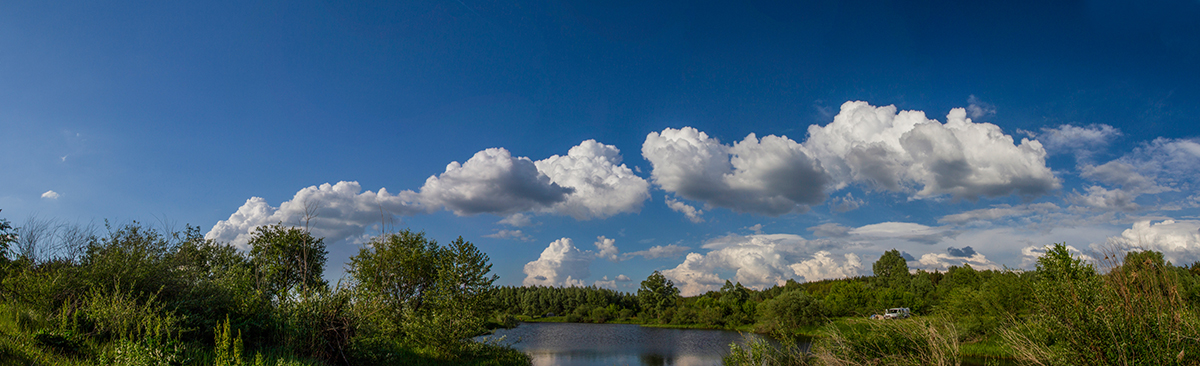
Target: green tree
[
  {"x": 436, "y": 297},
  {"x": 8, "y": 235},
  {"x": 791, "y": 310},
  {"x": 285, "y": 258},
  {"x": 891, "y": 271},
  {"x": 398, "y": 269},
  {"x": 656, "y": 294}
]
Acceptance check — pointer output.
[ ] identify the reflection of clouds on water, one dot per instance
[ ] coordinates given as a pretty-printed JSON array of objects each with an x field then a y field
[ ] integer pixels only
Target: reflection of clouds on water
[{"x": 560, "y": 344}]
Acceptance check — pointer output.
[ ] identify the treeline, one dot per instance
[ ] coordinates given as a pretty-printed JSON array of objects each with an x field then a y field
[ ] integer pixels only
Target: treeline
[{"x": 134, "y": 295}]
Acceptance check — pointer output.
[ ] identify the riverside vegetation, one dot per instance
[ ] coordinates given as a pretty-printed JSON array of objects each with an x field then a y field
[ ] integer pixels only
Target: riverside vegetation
[{"x": 139, "y": 296}]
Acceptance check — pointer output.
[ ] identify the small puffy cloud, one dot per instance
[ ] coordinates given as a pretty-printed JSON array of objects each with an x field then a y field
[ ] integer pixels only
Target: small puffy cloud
[
  {"x": 977, "y": 108},
  {"x": 690, "y": 212},
  {"x": 509, "y": 234},
  {"x": 659, "y": 251},
  {"x": 913, "y": 232},
  {"x": 905, "y": 151},
  {"x": 560, "y": 264},
  {"x": 942, "y": 261},
  {"x": 601, "y": 186},
  {"x": 823, "y": 266},
  {"x": 757, "y": 261},
  {"x": 830, "y": 230},
  {"x": 1082, "y": 141},
  {"x": 771, "y": 176},
  {"x": 1179, "y": 241},
  {"x": 50, "y": 195},
  {"x": 623, "y": 278},
  {"x": 606, "y": 248},
  {"x": 605, "y": 283},
  {"x": 517, "y": 220},
  {"x": 966, "y": 251},
  {"x": 846, "y": 204},
  {"x": 756, "y": 228},
  {"x": 492, "y": 181},
  {"x": 339, "y": 211}
]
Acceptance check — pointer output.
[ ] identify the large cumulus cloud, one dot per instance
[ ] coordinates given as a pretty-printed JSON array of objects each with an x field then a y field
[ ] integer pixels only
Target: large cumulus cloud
[
  {"x": 759, "y": 260},
  {"x": 907, "y": 152},
  {"x": 561, "y": 264},
  {"x": 335, "y": 212},
  {"x": 588, "y": 182},
  {"x": 773, "y": 175},
  {"x": 492, "y": 181},
  {"x": 1179, "y": 241},
  {"x": 601, "y": 186}
]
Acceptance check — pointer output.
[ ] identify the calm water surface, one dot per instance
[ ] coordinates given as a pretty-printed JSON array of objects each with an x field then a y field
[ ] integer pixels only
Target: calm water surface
[{"x": 618, "y": 344}]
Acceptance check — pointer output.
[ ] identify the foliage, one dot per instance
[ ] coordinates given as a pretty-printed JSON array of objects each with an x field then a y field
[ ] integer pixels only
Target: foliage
[
  {"x": 926, "y": 341},
  {"x": 757, "y": 351},
  {"x": 1132, "y": 315},
  {"x": 656, "y": 294},
  {"x": 286, "y": 258},
  {"x": 791, "y": 310},
  {"x": 430, "y": 295},
  {"x": 891, "y": 271}
]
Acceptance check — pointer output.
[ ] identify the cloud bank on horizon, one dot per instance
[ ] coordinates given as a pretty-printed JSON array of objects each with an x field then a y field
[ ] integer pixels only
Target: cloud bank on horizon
[{"x": 875, "y": 151}]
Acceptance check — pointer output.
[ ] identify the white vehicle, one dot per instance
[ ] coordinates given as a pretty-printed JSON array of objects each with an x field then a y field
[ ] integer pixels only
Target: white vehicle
[{"x": 897, "y": 313}]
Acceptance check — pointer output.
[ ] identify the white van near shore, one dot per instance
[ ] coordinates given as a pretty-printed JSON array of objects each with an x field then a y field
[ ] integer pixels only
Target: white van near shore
[{"x": 897, "y": 313}]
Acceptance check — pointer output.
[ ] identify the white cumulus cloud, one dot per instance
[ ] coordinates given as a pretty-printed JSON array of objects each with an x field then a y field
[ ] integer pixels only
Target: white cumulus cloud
[
  {"x": 756, "y": 260},
  {"x": 602, "y": 186},
  {"x": 771, "y": 176},
  {"x": 943, "y": 261},
  {"x": 823, "y": 266},
  {"x": 607, "y": 248},
  {"x": 905, "y": 151},
  {"x": 50, "y": 195},
  {"x": 340, "y": 211},
  {"x": 492, "y": 181},
  {"x": 560, "y": 264},
  {"x": 1179, "y": 241}
]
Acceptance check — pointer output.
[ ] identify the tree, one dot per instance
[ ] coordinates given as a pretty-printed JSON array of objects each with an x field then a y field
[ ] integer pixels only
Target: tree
[
  {"x": 286, "y": 257},
  {"x": 8, "y": 235},
  {"x": 791, "y": 310},
  {"x": 436, "y": 296},
  {"x": 398, "y": 268},
  {"x": 657, "y": 293},
  {"x": 891, "y": 271}
]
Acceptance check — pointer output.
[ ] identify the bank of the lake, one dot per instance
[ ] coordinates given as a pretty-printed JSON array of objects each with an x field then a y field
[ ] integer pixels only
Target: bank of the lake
[{"x": 990, "y": 349}]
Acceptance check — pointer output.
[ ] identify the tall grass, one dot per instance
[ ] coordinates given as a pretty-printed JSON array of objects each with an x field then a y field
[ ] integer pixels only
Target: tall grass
[
  {"x": 1132, "y": 314},
  {"x": 921, "y": 341}
]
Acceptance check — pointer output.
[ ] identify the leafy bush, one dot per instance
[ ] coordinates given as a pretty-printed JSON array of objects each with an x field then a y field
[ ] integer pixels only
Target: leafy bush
[{"x": 1133, "y": 315}]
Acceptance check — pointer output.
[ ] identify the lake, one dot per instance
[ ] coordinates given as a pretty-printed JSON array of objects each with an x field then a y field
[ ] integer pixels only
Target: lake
[{"x": 618, "y": 344}]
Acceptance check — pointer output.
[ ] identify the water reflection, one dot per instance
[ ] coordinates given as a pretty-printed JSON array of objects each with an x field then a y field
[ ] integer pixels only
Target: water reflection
[{"x": 618, "y": 344}]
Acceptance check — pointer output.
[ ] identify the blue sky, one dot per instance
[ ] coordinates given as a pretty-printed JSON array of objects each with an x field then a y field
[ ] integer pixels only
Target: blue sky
[{"x": 579, "y": 143}]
